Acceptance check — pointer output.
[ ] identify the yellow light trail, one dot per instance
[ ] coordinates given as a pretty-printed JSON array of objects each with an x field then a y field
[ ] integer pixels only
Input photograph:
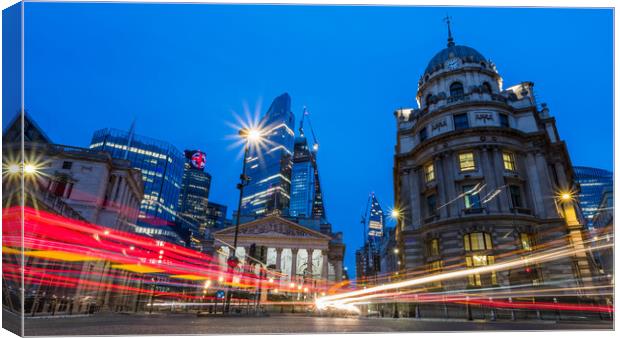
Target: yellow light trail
[{"x": 348, "y": 297}]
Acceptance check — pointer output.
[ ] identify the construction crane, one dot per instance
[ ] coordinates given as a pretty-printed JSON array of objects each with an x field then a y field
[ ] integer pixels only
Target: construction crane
[{"x": 306, "y": 115}]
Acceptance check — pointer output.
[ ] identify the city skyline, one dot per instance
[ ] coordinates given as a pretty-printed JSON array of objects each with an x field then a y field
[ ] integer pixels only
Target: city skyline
[{"x": 355, "y": 106}]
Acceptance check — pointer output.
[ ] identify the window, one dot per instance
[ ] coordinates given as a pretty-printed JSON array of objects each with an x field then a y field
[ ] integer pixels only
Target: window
[
  {"x": 527, "y": 241},
  {"x": 466, "y": 162},
  {"x": 515, "y": 196},
  {"x": 460, "y": 121},
  {"x": 509, "y": 161},
  {"x": 481, "y": 279},
  {"x": 503, "y": 121},
  {"x": 422, "y": 134},
  {"x": 476, "y": 241},
  {"x": 456, "y": 89},
  {"x": 429, "y": 172},
  {"x": 433, "y": 268},
  {"x": 486, "y": 87},
  {"x": 67, "y": 165},
  {"x": 58, "y": 188},
  {"x": 472, "y": 196},
  {"x": 429, "y": 100},
  {"x": 431, "y": 204},
  {"x": 433, "y": 247}
]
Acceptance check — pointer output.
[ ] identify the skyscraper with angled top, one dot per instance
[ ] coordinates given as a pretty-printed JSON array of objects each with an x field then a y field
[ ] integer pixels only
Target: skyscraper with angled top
[
  {"x": 269, "y": 168},
  {"x": 306, "y": 194}
]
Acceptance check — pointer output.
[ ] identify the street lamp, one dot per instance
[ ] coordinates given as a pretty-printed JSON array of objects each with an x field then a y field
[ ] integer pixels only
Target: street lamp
[{"x": 251, "y": 136}]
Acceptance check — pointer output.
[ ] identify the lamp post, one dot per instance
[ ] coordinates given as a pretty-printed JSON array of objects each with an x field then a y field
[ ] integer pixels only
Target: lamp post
[{"x": 250, "y": 135}]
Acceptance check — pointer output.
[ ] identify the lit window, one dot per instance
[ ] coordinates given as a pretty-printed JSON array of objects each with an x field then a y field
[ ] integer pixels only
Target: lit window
[
  {"x": 476, "y": 241},
  {"x": 433, "y": 247},
  {"x": 509, "y": 161},
  {"x": 478, "y": 261},
  {"x": 466, "y": 162},
  {"x": 429, "y": 172},
  {"x": 433, "y": 268},
  {"x": 527, "y": 242}
]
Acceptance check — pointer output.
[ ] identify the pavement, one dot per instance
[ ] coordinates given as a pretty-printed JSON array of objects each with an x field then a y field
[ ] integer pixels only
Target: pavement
[{"x": 188, "y": 323}]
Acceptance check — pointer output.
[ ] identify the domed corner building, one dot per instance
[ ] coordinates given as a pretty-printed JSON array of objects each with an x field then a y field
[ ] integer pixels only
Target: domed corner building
[{"x": 482, "y": 177}]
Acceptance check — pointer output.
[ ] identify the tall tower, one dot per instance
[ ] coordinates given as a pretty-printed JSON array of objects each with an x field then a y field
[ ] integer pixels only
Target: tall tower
[
  {"x": 193, "y": 200},
  {"x": 161, "y": 165},
  {"x": 376, "y": 220},
  {"x": 306, "y": 193},
  {"x": 482, "y": 177},
  {"x": 269, "y": 168}
]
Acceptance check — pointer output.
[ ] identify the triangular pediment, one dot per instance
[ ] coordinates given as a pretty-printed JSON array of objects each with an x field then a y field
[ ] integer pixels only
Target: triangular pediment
[{"x": 272, "y": 226}]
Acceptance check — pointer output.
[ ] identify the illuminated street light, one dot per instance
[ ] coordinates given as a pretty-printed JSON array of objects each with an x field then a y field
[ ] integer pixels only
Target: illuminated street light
[
  {"x": 30, "y": 169},
  {"x": 395, "y": 213},
  {"x": 395, "y": 250},
  {"x": 566, "y": 196},
  {"x": 13, "y": 168},
  {"x": 251, "y": 136}
]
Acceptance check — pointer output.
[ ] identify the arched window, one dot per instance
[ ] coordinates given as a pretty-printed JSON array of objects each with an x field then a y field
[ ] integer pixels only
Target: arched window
[
  {"x": 428, "y": 99},
  {"x": 486, "y": 87},
  {"x": 456, "y": 89}
]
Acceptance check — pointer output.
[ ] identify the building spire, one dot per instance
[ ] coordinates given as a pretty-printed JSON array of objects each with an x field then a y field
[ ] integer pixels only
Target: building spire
[{"x": 450, "y": 39}]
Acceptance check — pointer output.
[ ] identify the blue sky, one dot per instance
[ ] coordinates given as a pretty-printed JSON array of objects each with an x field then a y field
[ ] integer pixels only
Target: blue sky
[{"x": 181, "y": 70}]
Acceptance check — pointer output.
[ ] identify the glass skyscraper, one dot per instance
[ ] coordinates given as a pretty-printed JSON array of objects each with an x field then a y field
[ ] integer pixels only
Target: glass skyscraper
[
  {"x": 269, "y": 168},
  {"x": 193, "y": 199},
  {"x": 376, "y": 220},
  {"x": 593, "y": 182},
  {"x": 306, "y": 194},
  {"x": 161, "y": 165}
]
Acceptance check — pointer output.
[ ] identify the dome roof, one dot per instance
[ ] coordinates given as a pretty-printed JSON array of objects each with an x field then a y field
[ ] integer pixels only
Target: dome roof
[{"x": 466, "y": 54}]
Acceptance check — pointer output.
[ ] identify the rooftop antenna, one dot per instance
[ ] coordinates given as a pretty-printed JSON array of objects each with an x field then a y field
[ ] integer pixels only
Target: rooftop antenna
[{"x": 450, "y": 39}]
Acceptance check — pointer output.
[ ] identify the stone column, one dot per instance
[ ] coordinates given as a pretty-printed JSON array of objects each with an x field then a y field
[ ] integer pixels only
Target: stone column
[
  {"x": 325, "y": 268},
  {"x": 338, "y": 270},
  {"x": 279, "y": 259},
  {"x": 414, "y": 198},
  {"x": 546, "y": 184},
  {"x": 309, "y": 261},
  {"x": 489, "y": 177},
  {"x": 294, "y": 263},
  {"x": 503, "y": 199},
  {"x": 534, "y": 184},
  {"x": 449, "y": 170},
  {"x": 441, "y": 188}
]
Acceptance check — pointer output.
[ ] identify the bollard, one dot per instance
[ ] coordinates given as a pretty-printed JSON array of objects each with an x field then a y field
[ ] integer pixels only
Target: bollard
[
  {"x": 468, "y": 309},
  {"x": 493, "y": 314}
]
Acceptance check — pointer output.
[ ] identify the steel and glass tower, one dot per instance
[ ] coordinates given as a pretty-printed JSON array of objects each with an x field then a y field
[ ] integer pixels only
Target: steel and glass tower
[
  {"x": 269, "y": 168},
  {"x": 194, "y": 199},
  {"x": 306, "y": 194},
  {"x": 161, "y": 165},
  {"x": 376, "y": 221},
  {"x": 592, "y": 182}
]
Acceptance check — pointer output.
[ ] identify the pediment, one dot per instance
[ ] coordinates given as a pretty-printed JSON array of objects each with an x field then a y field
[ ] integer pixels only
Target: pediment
[{"x": 272, "y": 226}]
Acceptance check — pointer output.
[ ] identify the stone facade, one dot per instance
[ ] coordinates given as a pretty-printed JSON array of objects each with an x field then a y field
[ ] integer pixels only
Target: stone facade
[
  {"x": 102, "y": 189},
  {"x": 290, "y": 247},
  {"x": 479, "y": 171}
]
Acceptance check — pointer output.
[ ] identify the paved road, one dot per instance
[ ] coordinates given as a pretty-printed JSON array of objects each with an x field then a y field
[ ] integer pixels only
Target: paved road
[{"x": 111, "y": 324}]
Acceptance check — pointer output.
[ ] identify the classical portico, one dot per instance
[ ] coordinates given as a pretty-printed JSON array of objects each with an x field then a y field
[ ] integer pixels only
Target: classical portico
[{"x": 294, "y": 250}]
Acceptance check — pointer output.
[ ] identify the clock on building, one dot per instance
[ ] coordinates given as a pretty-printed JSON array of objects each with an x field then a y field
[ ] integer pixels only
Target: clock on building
[{"x": 453, "y": 63}]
